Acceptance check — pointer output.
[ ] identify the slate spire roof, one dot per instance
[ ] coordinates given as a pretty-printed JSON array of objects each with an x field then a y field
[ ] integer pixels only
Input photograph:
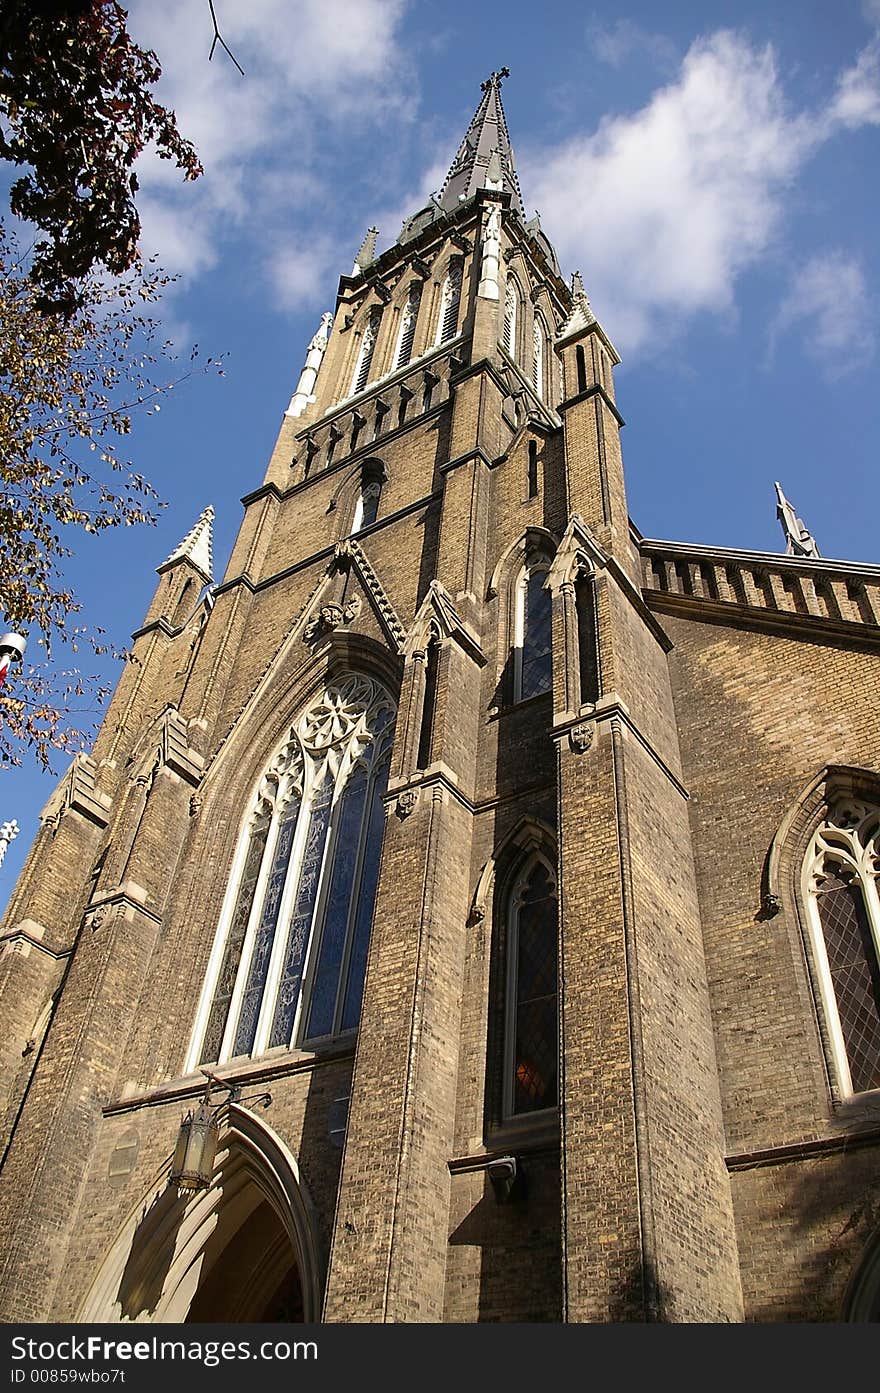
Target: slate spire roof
[{"x": 486, "y": 134}]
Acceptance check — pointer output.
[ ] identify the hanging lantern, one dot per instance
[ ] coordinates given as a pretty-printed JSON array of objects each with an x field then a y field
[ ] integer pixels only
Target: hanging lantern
[{"x": 193, "y": 1164}]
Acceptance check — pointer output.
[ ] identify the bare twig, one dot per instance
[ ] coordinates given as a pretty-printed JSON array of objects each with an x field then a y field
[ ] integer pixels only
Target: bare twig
[{"x": 218, "y": 38}]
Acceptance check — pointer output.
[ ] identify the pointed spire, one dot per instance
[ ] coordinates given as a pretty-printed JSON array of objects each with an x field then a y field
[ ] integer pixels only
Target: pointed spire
[
  {"x": 367, "y": 253},
  {"x": 485, "y": 156},
  {"x": 581, "y": 316},
  {"x": 799, "y": 541},
  {"x": 197, "y": 545}
]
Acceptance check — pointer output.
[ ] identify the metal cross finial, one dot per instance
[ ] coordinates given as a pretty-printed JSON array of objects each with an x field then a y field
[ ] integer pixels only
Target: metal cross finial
[{"x": 495, "y": 79}]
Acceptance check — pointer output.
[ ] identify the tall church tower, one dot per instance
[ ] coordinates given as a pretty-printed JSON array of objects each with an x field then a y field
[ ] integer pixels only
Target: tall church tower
[{"x": 390, "y": 834}]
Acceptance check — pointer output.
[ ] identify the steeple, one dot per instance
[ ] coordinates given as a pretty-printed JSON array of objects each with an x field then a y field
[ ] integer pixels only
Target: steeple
[
  {"x": 485, "y": 156},
  {"x": 798, "y": 538},
  {"x": 196, "y": 546},
  {"x": 367, "y": 252}
]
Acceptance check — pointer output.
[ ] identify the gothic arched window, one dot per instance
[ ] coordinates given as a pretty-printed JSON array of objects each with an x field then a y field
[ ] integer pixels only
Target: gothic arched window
[
  {"x": 511, "y": 307},
  {"x": 531, "y": 1047},
  {"x": 538, "y": 357},
  {"x": 407, "y": 333},
  {"x": 361, "y": 374},
  {"x": 447, "y": 322},
  {"x": 289, "y": 959},
  {"x": 532, "y": 652},
  {"x": 842, "y": 868},
  {"x": 367, "y": 506}
]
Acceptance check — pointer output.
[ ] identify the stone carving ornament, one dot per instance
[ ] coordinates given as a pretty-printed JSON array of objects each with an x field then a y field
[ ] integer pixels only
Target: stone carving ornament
[
  {"x": 580, "y": 737},
  {"x": 330, "y": 617},
  {"x": 348, "y": 708}
]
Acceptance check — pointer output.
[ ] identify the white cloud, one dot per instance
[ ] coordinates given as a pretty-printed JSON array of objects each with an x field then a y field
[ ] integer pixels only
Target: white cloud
[
  {"x": 614, "y": 44},
  {"x": 857, "y": 99},
  {"x": 316, "y": 71},
  {"x": 301, "y": 276},
  {"x": 828, "y": 302},
  {"x": 669, "y": 205}
]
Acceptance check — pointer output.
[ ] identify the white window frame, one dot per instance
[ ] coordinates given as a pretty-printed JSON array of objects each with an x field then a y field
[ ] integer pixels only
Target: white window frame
[{"x": 855, "y": 846}]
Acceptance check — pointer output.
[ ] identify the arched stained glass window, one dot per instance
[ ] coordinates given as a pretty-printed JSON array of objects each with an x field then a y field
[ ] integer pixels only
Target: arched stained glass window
[
  {"x": 449, "y": 302},
  {"x": 842, "y": 869},
  {"x": 290, "y": 956},
  {"x": 533, "y": 661},
  {"x": 531, "y": 1017}
]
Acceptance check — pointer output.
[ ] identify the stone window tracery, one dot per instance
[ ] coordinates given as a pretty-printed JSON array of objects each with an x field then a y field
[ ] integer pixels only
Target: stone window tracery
[
  {"x": 361, "y": 375},
  {"x": 289, "y": 960},
  {"x": 408, "y": 318},
  {"x": 449, "y": 301},
  {"x": 538, "y": 357},
  {"x": 841, "y": 871},
  {"x": 511, "y": 306}
]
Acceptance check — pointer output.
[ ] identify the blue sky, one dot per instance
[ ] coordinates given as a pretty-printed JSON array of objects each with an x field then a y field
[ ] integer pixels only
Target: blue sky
[{"x": 713, "y": 169}]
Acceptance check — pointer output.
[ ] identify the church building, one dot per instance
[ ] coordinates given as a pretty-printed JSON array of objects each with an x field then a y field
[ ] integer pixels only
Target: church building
[{"x": 470, "y": 908}]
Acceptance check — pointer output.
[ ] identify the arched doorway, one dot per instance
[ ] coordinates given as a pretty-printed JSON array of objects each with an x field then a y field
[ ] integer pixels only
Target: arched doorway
[{"x": 242, "y": 1251}]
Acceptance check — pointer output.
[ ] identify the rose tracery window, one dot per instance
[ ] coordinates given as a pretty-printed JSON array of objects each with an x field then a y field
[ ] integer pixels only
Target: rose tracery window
[
  {"x": 289, "y": 961},
  {"x": 842, "y": 869}
]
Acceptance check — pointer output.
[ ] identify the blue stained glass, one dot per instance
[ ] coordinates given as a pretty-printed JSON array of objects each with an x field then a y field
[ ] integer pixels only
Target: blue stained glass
[
  {"x": 235, "y": 942},
  {"x": 365, "y": 900},
  {"x": 301, "y": 919},
  {"x": 252, "y": 997},
  {"x": 345, "y": 855},
  {"x": 537, "y": 671}
]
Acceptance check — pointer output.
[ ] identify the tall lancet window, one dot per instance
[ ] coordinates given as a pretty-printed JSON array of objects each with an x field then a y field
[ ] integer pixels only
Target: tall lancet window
[
  {"x": 532, "y": 653},
  {"x": 447, "y": 322},
  {"x": 291, "y": 949},
  {"x": 511, "y": 305},
  {"x": 538, "y": 357},
  {"x": 408, "y": 320},
  {"x": 531, "y": 1017},
  {"x": 842, "y": 869},
  {"x": 361, "y": 375}
]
